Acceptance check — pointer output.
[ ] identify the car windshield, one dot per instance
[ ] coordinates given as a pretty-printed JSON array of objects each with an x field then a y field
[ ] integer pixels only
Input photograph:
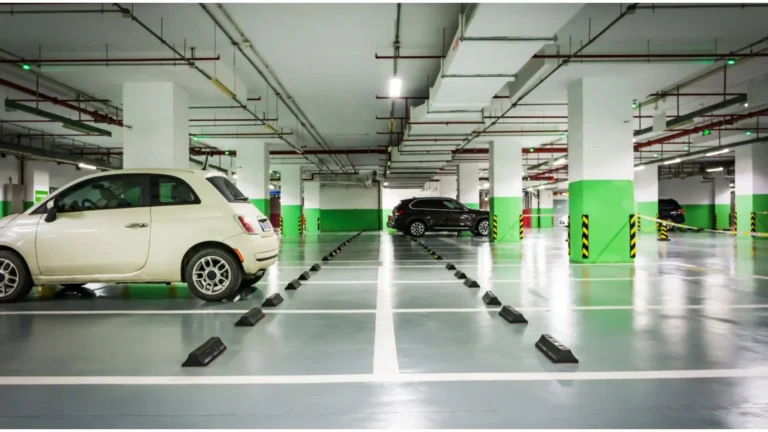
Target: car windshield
[{"x": 225, "y": 187}]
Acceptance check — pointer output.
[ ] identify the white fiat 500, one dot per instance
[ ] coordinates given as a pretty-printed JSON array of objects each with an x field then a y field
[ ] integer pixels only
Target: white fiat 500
[{"x": 139, "y": 226}]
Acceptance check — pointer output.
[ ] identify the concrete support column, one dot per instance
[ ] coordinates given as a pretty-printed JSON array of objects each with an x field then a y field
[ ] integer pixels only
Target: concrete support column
[
  {"x": 752, "y": 186},
  {"x": 722, "y": 203},
  {"x": 448, "y": 187},
  {"x": 253, "y": 172},
  {"x": 506, "y": 177},
  {"x": 600, "y": 168},
  {"x": 468, "y": 181},
  {"x": 158, "y": 136},
  {"x": 290, "y": 199},
  {"x": 546, "y": 208},
  {"x": 312, "y": 207},
  {"x": 36, "y": 182},
  {"x": 647, "y": 196}
]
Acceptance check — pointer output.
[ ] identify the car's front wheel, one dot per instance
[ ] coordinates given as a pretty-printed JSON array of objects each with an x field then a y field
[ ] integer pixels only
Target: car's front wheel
[
  {"x": 15, "y": 280},
  {"x": 213, "y": 275},
  {"x": 483, "y": 228},
  {"x": 417, "y": 228}
]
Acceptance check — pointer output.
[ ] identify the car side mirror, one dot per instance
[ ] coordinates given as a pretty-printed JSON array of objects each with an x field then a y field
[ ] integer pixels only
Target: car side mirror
[{"x": 51, "y": 211}]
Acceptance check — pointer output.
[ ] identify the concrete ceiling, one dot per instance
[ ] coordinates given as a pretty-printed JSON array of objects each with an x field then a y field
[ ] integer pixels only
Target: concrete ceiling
[{"x": 324, "y": 56}]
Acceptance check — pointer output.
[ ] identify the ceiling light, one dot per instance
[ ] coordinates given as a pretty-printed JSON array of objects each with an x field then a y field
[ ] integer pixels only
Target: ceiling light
[
  {"x": 234, "y": 175},
  {"x": 639, "y": 167},
  {"x": 560, "y": 161},
  {"x": 25, "y": 66},
  {"x": 715, "y": 169},
  {"x": 86, "y": 166},
  {"x": 731, "y": 61},
  {"x": 395, "y": 86},
  {"x": 486, "y": 185},
  {"x": 746, "y": 104},
  {"x": 634, "y": 140},
  {"x": 719, "y": 152},
  {"x": 386, "y": 183},
  {"x": 271, "y": 186},
  {"x": 530, "y": 149},
  {"x": 706, "y": 132},
  {"x": 731, "y": 185},
  {"x": 195, "y": 137},
  {"x": 748, "y": 133},
  {"x": 655, "y": 155},
  {"x": 219, "y": 85},
  {"x": 634, "y": 103},
  {"x": 673, "y": 161}
]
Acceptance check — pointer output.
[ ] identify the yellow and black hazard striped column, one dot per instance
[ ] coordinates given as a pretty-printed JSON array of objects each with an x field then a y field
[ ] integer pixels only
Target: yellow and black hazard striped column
[
  {"x": 584, "y": 236},
  {"x": 638, "y": 224},
  {"x": 663, "y": 235},
  {"x": 753, "y": 222},
  {"x": 658, "y": 224},
  {"x": 521, "y": 227},
  {"x": 301, "y": 226},
  {"x": 568, "y": 240},
  {"x": 632, "y": 235},
  {"x": 495, "y": 227},
  {"x": 318, "y": 224},
  {"x": 714, "y": 221},
  {"x": 281, "y": 224},
  {"x": 735, "y": 221}
]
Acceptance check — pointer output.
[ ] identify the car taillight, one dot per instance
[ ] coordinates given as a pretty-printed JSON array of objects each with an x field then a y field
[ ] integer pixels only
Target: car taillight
[
  {"x": 680, "y": 211},
  {"x": 399, "y": 212},
  {"x": 247, "y": 227}
]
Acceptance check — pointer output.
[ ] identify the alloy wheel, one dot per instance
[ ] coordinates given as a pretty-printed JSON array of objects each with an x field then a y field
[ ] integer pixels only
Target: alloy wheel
[
  {"x": 9, "y": 278},
  {"x": 211, "y": 275},
  {"x": 483, "y": 228},
  {"x": 417, "y": 228}
]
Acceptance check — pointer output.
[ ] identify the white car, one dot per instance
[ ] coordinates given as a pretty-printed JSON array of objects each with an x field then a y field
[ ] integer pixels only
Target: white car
[{"x": 138, "y": 226}]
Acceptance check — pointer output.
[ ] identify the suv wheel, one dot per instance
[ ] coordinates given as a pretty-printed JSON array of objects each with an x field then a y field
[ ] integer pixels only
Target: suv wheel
[
  {"x": 15, "y": 281},
  {"x": 483, "y": 228},
  {"x": 417, "y": 228},
  {"x": 213, "y": 275}
]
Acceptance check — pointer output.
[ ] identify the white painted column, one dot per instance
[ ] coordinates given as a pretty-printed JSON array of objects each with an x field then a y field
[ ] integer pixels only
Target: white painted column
[
  {"x": 647, "y": 196},
  {"x": 723, "y": 202},
  {"x": 752, "y": 186},
  {"x": 252, "y": 170},
  {"x": 312, "y": 207},
  {"x": 290, "y": 198},
  {"x": 468, "y": 182},
  {"x": 158, "y": 132},
  {"x": 36, "y": 182},
  {"x": 448, "y": 187},
  {"x": 600, "y": 168},
  {"x": 505, "y": 174}
]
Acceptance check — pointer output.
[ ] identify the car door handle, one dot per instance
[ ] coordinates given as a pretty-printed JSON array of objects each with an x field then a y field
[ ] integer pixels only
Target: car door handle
[{"x": 137, "y": 225}]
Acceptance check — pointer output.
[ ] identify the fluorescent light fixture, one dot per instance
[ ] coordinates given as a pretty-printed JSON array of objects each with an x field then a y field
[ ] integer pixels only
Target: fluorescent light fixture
[
  {"x": 270, "y": 128},
  {"x": 746, "y": 104},
  {"x": 731, "y": 185},
  {"x": 673, "y": 161},
  {"x": 486, "y": 185},
  {"x": 386, "y": 183},
  {"x": 395, "y": 86},
  {"x": 639, "y": 167},
  {"x": 271, "y": 186},
  {"x": 86, "y": 166},
  {"x": 715, "y": 169},
  {"x": 560, "y": 161},
  {"x": 222, "y": 87},
  {"x": 719, "y": 152},
  {"x": 234, "y": 176}
]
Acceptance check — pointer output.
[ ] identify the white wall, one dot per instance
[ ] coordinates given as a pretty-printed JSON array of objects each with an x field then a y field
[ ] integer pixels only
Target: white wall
[
  {"x": 392, "y": 197},
  {"x": 723, "y": 190},
  {"x": 689, "y": 190},
  {"x": 9, "y": 172},
  {"x": 348, "y": 197}
]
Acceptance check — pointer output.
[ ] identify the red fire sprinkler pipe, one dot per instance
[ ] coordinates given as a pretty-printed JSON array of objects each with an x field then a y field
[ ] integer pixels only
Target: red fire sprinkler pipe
[{"x": 95, "y": 114}]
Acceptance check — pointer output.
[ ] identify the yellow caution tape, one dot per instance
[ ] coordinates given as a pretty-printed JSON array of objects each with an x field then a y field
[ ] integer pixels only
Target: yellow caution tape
[{"x": 745, "y": 233}]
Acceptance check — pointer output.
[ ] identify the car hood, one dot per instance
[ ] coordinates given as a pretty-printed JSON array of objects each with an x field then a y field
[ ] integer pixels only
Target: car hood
[{"x": 6, "y": 220}]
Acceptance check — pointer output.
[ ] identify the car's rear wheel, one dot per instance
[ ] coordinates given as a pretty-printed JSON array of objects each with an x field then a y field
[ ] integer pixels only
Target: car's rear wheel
[
  {"x": 249, "y": 281},
  {"x": 213, "y": 275},
  {"x": 15, "y": 280},
  {"x": 417, "y": 228},
  {"x": 483, "y": 228}
]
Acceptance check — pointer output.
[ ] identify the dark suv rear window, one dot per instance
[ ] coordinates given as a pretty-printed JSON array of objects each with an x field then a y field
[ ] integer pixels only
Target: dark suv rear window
[{"x": 225, "y": 187}]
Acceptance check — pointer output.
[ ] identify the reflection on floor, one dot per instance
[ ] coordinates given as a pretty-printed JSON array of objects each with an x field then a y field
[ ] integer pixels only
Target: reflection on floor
[{"x": 677, "y": 339}]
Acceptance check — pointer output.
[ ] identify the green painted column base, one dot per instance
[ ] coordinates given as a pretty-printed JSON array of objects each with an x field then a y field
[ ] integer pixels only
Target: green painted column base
[
  {"x": 290, "y": 215},
  {"x": 350, "y": 219},
  {"x": 722, "y": 217},
  {"x": 27, "y": 205},
  {"x": 609, "y": 204},
  {"x": 648, "y": 209},
  {"x": 505, "y": 219},
  {"x": 546, "y": 217},
  {"x": 262, "y": 204},
  {"x": 746, "y": 204},
  {"x": 312, "y": 218},
  {"x": 699, "y": 215}
]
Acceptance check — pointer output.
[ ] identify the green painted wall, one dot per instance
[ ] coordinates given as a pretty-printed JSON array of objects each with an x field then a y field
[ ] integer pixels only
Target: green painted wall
[
  {"x": 290, "y": 215},
  {"x": 746, "y": 204},
  {"x": 723, "y": 213},
  {"x": 608, "y": 203},
  {"x": 506, "y": 211},
  {"x": 649, "y": 209},
  {"x": 5, "y": 208},
  {"x": 475, "y": 206},
  {"x": 312, "y": 215},
  {"x": 546, "y": 216},
  {"x": 699, "y": 215},
  {"x": 262, "y": 204},
  {"x": 27, "y": 205},
  {"x": 350, "y": 219}
]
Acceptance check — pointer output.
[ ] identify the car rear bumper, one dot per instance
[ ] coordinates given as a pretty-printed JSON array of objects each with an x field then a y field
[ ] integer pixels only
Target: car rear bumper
[{"x": 258, "y": 253}]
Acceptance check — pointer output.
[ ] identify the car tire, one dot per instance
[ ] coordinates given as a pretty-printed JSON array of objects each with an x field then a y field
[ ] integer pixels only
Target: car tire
[
  {"x": 482, "y": 228},
  {"x": 15, "y": 280},
  {"x": 213, "y": 274},
  {"x": 250, "y": 281},
  {"x": 417, "y": 228}
]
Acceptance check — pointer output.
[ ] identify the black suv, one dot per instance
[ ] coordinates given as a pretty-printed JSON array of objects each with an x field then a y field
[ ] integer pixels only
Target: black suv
[
  {"x": 671, "y": 210},
  {"x": 416, "y": 216}
]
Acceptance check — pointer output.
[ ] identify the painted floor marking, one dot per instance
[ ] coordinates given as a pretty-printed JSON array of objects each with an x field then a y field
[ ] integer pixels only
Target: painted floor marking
[
  {"x": 384, "y": 347},
  {"x": 758, "y": 372}
]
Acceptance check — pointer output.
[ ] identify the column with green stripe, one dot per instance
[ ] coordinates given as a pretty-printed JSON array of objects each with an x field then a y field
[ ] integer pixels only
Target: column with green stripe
[{"x": 506, "y": 189}]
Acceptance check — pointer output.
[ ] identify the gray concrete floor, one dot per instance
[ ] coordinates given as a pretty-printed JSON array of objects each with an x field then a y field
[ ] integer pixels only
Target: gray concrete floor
[{"x": 383, "y": 336}]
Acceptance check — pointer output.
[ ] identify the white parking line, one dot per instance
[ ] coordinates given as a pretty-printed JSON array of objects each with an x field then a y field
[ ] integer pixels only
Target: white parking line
[
  {"x": 384, "y": 346},
  {"x": 758, "y": 372}
]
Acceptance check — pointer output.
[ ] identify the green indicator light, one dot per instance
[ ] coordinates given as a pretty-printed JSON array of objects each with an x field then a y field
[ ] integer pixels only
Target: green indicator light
[
  {"x": 731, "y": 61},
  {"x": 748, "y": 133},
  {"x": 195, "y": 137},
  {"x": 655, "y": 155},
  {"x": 530, "y": 149},
  {"x": 26, "y": 66},
  {"x": 706, "y": 132},
  {"x": 634, "y": 104},
  {"x": 226, "y": 153}
]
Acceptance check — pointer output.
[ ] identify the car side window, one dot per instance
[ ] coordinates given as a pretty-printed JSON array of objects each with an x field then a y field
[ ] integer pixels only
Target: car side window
[
  {"x": 102, "y": 193},
  {"x": 428, "y": 204},
  {"x": 452, "y": 205},
  {"x": 169, "y": 190}
]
